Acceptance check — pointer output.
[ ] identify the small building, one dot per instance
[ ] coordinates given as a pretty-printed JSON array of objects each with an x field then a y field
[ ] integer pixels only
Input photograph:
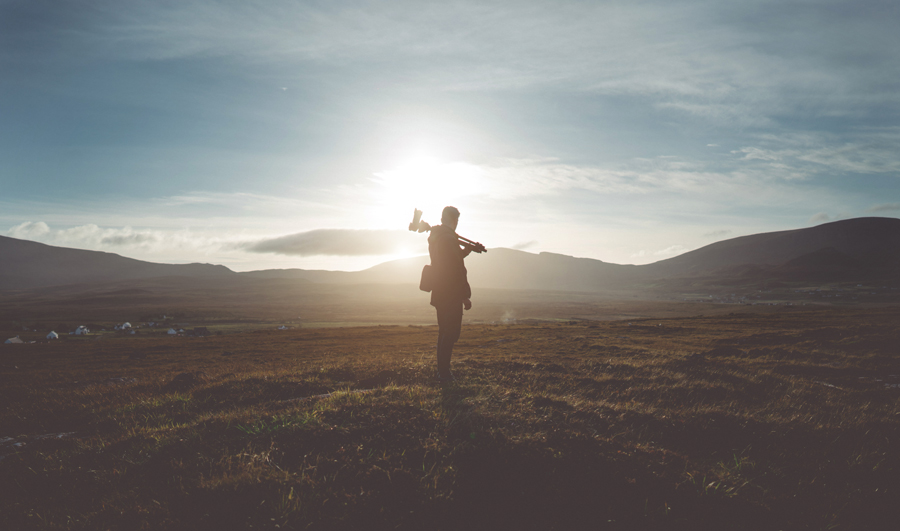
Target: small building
[
  {"x": 52, "y": 335},
  {"x": 14, "y": 340}
]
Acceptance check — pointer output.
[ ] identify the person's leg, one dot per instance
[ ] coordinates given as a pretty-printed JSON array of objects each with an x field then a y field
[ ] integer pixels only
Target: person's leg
[
  {"x": 444, "y": 351},
  {"x": 449, "y": 326}
]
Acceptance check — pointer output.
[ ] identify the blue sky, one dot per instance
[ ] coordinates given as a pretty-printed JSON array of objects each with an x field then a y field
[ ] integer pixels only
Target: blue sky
[{"x": 302, "y": 134}]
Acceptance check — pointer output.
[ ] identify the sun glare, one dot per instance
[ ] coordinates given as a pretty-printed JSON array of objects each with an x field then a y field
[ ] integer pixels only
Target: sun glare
[{"x": 426, "y": 183}]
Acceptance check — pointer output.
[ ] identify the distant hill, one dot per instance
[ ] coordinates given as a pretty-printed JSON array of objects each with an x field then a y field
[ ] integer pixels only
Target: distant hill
[
  {"x": 862, "y": 248},
  {"x": 498, "y": 268},
  {"x": 27, "y": 264},
  {"x": 872, "y": 242}
]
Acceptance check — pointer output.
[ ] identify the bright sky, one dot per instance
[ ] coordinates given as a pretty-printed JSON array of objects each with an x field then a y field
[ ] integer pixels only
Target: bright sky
[{"x": 272, "y": 134}]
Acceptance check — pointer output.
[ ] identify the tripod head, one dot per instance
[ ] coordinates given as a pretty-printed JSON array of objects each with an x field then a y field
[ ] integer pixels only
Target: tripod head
[{"x": 417, "y": 225}]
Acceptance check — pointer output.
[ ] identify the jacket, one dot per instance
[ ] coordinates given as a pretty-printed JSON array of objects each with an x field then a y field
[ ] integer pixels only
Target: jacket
[{"x": 451, "y": 283}]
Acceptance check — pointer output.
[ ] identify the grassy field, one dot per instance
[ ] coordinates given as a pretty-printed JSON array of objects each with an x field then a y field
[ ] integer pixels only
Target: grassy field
[
  {"x": 787, "y": 419},
  {"x": 224, "y": 303}
]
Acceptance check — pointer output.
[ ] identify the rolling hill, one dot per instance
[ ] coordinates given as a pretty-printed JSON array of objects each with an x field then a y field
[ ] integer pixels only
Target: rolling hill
[
  {"x": 870, "y": 242},
  {"x": 842, "y": 250},
  {"x": 27, "y": 264}
]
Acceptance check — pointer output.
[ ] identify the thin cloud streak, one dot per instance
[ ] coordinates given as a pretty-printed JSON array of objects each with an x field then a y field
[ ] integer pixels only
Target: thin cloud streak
[
  {"x": 886, "y": 207},
  {"x": 822, "y": 217},
  {"x": 720, "y": 61},
  {"x": 662, "y": 254},
  {"x": 521, "y": 246}
]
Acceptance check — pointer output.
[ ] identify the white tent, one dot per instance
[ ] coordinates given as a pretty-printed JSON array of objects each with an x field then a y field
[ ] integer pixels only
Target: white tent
[
  {"x": 125, "y": 325},
  {"x": 81, "y": 331},
  {"x": 52, "y": 335},
  {"x": 172, "y": 332},
  {"x": 14, "y": 340}
]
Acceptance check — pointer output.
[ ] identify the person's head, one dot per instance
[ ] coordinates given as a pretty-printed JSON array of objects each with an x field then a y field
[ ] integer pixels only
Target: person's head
[{"x": 450, "y": 217}]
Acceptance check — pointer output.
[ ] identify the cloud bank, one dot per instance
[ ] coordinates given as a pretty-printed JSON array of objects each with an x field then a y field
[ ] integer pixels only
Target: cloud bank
[
  {"x": 28, "y": 230},
  {"x": 120, "y": 239},
  {"x": 337, "y": 242}
]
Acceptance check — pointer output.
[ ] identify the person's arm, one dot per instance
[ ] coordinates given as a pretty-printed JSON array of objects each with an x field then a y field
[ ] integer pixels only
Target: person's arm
[{"x": 463, "y": 253}]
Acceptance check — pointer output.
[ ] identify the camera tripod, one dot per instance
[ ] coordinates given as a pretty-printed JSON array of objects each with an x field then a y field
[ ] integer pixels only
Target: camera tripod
[{"x": 418, "y": 225}]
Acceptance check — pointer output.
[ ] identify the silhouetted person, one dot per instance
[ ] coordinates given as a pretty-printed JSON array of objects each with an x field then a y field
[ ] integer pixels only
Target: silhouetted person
[{"x": 451, "y": 291}]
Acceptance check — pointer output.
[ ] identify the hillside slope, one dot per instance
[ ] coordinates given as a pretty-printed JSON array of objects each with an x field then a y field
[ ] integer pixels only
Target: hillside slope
[
  {"x": 868, "y": 241},
  {"x": 27, "y": 264}
]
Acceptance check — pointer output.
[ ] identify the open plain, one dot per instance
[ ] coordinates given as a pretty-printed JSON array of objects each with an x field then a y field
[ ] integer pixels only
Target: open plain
[{"x": 759, "y": 418}]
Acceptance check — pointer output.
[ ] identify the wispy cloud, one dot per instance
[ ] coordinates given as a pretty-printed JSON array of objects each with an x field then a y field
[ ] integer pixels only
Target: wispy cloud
[
  {"x": 245, "y": 201},
  {"x": 717, "y": 233},
  {"x": 511, "y": 178},
  {"x": 819, "y": 156},
  {"x": 727, "y": 61},
  {"x": 821, "y": 217},
  {"x": 885, "y": 207},
  {"x": 505, "y": 178},
  {"x": 672, "y": 250},
  {"x": 661, "y": 254},
  {"x": 521, "y": 246}
]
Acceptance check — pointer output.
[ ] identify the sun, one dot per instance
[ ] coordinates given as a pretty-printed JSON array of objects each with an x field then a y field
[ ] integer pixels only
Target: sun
[{"x": 424, "y": 182}]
